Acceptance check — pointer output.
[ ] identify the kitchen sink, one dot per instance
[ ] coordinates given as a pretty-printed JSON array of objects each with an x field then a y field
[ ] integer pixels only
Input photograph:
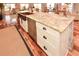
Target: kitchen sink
[{"x": 27, "y": 13}]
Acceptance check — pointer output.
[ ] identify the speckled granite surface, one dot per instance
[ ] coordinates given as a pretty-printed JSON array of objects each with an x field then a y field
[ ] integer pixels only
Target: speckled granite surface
[{"x": 52, "y": 20}]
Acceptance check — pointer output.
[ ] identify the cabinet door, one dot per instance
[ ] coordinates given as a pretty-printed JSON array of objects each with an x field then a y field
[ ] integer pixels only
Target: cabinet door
[
  {"x": 23, "y": 22},
  {"x": 32, "y": 29},
  {"x": 25, "y": 25},
  {"x": 70, "y": 40}
]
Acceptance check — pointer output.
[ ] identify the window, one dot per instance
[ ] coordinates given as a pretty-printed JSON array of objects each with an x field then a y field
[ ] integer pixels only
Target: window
[
  {"x": 70, "y": 6},
  {"x": 50, "y": 5},
  {"x": 12, "y": 6},
  {"x": 9, "y": 6},
  {"x": 37, "y": 6},
  {"x": 24, "y": 6}
]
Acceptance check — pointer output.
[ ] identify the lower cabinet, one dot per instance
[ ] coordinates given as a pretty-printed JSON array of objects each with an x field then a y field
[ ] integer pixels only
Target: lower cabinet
[
  {"x": 28, "y": 25},
  {"x": 32, "y": 29},
  {"x": 53, "y": 42}
]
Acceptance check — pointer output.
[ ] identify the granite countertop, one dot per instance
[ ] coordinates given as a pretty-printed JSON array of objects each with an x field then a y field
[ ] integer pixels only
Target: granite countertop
[{"x": 57, "y": 22}]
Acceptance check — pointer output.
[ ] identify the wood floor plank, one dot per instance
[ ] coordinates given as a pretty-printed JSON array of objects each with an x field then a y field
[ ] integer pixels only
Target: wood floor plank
[{"x": 75, "y": 51}]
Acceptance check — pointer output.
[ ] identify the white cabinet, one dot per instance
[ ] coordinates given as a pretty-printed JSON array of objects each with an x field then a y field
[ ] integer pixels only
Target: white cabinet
[
  {"x": 24, "y": 24},
  {"x": 53, "y": 33},
  {"x": 52, "y": 41}
]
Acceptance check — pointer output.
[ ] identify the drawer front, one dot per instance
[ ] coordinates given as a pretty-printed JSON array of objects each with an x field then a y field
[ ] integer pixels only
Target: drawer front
[
  {"x": 49, "y": 38},
  {"x": 48, "y": 48},
  {"x": 47, "y": 29},
  {"x": 53, "y": 38},
  {"x": 25, "y": 25}
]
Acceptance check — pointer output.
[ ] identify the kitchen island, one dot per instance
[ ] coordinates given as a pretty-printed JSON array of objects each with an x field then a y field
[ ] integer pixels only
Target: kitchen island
[{"x": 52, "y": 32}]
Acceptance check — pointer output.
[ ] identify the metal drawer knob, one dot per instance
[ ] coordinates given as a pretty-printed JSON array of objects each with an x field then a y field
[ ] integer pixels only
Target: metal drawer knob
[
  {"x": 44, "y": 37},
  {"x": 44, "y": 28},
  {"x": 44, "y": 47}
]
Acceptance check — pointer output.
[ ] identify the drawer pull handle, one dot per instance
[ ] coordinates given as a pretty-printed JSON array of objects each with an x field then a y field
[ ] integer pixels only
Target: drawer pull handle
[
  {"x": 44, "y": 28},
  {"x": 44, "y": 47},
  {"x": 44, "y": 37}
]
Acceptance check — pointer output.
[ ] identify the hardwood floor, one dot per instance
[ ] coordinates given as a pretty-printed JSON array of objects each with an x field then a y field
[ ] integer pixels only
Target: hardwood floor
[
  {"x": 76, "y": 35},
  {"x": 2, "y": 24},
  {"x": 75, "y": 50},
  {"x": 35, "y": 49}
]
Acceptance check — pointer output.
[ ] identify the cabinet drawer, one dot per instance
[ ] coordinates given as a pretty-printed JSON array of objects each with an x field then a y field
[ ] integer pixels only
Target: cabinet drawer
[
  {"x": 48, "y": 48},
  {"x": 46, "y": 37},
  {"x": 47, "y": 30}
]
